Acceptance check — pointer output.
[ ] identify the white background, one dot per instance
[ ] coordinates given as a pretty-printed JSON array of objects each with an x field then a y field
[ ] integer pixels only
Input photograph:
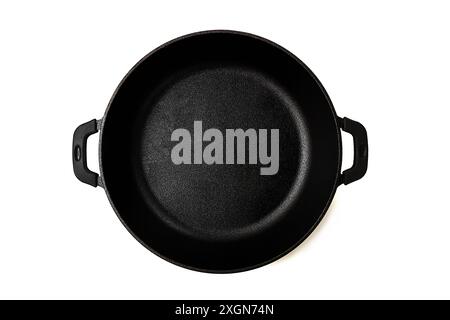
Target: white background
[{"x": 385, "y": 64}]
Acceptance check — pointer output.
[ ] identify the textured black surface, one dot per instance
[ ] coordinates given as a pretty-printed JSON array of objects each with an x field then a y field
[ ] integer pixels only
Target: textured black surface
[
  {"x": 219, "y": 218},
  {"x": 220, "y": 201}
]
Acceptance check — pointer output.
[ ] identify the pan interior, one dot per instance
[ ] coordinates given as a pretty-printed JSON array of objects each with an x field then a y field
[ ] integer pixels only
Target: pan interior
[{"x": 225, "y": 198}]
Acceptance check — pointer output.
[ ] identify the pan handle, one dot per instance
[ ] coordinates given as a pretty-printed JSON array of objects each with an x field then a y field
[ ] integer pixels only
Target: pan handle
[
  {"x": 79, "y": 157},
  {"x": 361, "y": 150}
]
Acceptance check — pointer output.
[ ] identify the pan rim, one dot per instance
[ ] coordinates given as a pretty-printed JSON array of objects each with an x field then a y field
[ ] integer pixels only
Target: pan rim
[{"x": 339, "y": 149}]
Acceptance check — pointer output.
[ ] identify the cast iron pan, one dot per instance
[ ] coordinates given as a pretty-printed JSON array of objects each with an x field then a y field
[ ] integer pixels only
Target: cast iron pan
[{"x": 220, "y": 151}]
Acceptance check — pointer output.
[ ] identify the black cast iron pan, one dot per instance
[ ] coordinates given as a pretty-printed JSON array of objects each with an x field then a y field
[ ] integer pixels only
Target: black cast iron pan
[{"x": 220, "y": 151}]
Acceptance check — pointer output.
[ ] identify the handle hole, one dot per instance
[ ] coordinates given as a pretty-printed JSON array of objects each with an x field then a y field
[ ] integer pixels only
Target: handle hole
[
  {"x": 92, "y": 152},
  {"x": 77, "y": 153},
  {"x": 347, "y": 150}
]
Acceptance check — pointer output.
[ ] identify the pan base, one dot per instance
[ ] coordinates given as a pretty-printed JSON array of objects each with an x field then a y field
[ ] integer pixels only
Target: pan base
[{"x": 227, "y": 200}]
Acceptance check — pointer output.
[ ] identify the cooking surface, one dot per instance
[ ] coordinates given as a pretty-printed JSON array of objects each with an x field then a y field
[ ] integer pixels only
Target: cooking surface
[{"x": 229, "y": 199}]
